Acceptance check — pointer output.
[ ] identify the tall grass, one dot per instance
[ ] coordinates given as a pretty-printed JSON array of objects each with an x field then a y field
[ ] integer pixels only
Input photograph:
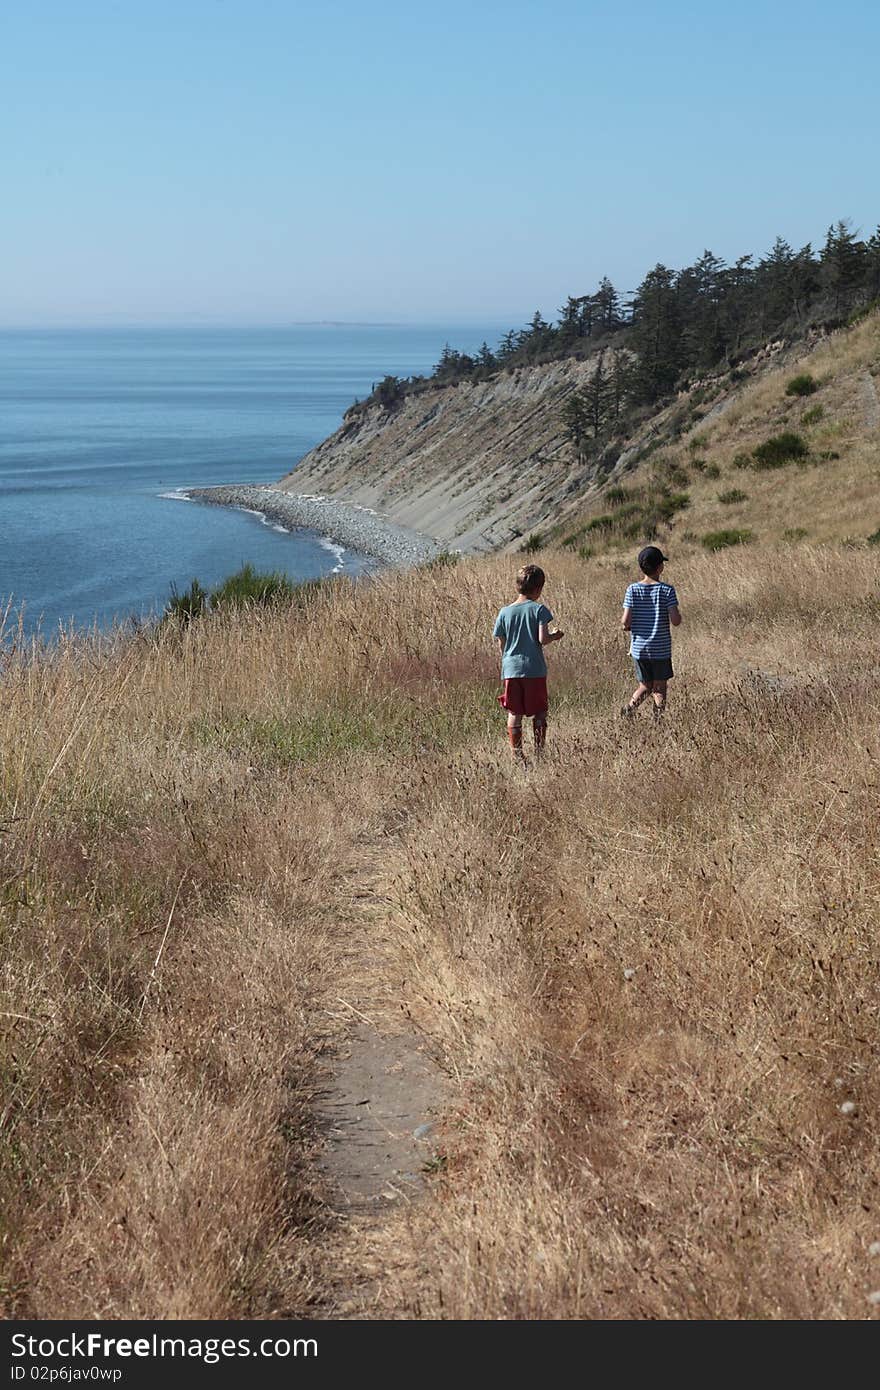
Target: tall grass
[{"x": 648, "y": 966}]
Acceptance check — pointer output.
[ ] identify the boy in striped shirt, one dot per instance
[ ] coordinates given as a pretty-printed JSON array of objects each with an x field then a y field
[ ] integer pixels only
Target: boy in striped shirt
[{"x": 648, "y": 609}]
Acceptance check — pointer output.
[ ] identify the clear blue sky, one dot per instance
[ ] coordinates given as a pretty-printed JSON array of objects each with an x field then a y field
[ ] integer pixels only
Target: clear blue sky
[{"x": 253, "y": 160}]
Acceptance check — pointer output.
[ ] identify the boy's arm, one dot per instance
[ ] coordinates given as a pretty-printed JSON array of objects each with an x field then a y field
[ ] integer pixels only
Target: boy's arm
[
  {"x": 627, "y": 620},
  {"x": 545, "y": 636},
  {"x": 674, "y": 615}
]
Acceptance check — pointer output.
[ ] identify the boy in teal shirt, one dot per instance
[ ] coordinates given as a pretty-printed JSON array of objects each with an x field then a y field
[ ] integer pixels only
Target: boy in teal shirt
[{"x": 522, "y": 631}]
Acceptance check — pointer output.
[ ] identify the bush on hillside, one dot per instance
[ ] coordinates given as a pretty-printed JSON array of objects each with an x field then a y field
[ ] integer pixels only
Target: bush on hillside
[
  {"x": 615, "y": 496},
  {"x": 875, "y": 538},
  {"x": 248, "y": 586},
  {"x": 779, "y": 450},
  {"x": 532, "y": 543},
  {"x": 803, "y": 385},
  {"x": 720, "y": 540},
  {"x": 245, "y": 588},
  {"x": 813, "y": 415},
  {"x": 733, "y": 495},
  {"x": 184, "y": 607},
  {"x": 795, "y": 533},
  {"x": 742, "y": 460}
]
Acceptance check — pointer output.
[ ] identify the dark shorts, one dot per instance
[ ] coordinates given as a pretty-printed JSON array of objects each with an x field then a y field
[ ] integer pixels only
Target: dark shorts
[
  {"x": 650, "y": 669},
  {"x": 527, "y": 695}
]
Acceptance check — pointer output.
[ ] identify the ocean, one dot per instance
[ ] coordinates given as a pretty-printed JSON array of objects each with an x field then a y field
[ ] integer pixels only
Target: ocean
[{"x": 100, "y": 428}]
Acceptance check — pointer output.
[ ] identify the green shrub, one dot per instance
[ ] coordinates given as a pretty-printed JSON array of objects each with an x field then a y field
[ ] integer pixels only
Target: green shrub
[
  {"x": 585, "y": 552},
  {"x": 183, "y": 608},
  {"x": 795, "y": 533},
  {"x": 699, "y": 465},
  {"x": 533, "y": 543},
  {"x": 670, "y": 474},
  {"x": 712, "y": 470},
  {"x": 614, "y": 496},
  {"x": 875, "y": 538},
  {"x": 742, "y": 461},
  {"x": 248, "y": 586},
  {"x": 720, "y": 540},
  {"x": 699, "y": 441},
  {"x": 733, "y": 495},
  {"x": 829, "y": 456},
  {"x": 779, "y": 450},
  {"x": 803, "y": 385},
  {"x": 600, "y": 523},
  {"x": 670, "y": 503},
  {"x": 813, "y": 415}
]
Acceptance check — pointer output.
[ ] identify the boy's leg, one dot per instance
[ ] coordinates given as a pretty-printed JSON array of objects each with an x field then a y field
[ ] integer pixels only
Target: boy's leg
[
  {"x": 642, "y": 690},
  {"x": 515, "y": 734},
  {"x": 659, "y": 693},
  {"x": 539, "y": 728}
]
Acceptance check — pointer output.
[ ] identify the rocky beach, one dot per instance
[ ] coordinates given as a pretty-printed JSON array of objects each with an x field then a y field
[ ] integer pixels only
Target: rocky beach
[{"x": 357, "y": 527}]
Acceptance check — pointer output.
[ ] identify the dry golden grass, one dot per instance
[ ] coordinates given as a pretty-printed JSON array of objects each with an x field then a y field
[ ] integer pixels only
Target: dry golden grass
[
  {"x": 207, "y": 837},
  {"x": 829, "y": 499}
]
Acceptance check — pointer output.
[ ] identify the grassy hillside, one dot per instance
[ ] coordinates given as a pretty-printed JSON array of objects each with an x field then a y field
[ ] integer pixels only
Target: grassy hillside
[
  {"x": 648, "y": 967},
  {"x": 701, "y": 452}
]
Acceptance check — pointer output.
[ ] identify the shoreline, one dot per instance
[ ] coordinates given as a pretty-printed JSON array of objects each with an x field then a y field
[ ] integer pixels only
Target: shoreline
[{"x": 342, "y": 523}]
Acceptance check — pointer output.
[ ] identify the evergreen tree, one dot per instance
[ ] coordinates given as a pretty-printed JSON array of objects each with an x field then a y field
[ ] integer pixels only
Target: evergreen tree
[
  {"x": 774, "y": 287},
  {"x": 607, "y": 305},
  {"x": 508, "y": 345},
  {"x": 656, "y": 333},
  {"x": 700, "y": 290},
  {"x": 575, "y": 421},
  {"x": 843, "y": 265},
  {"x": 804, "y": 282},
  {"x": 739, "y": 302},
  {"x": 596, "y": 397},
  {"x": 621, "y": 382}
]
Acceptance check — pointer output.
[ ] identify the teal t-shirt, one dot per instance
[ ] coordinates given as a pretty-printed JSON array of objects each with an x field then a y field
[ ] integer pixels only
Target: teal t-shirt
[{"x": 517, "y": 626}]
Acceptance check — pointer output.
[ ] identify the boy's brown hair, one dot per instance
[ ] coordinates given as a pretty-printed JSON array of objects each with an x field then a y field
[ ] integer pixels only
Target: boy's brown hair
[{"x": 530, "y": 579}]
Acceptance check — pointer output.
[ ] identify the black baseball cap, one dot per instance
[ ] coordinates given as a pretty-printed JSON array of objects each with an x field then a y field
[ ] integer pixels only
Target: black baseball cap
[{"x": 650, "y": 559}]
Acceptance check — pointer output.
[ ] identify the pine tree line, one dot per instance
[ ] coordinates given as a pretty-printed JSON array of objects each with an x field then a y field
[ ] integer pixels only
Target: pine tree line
[{"x": 678, "y": 324}]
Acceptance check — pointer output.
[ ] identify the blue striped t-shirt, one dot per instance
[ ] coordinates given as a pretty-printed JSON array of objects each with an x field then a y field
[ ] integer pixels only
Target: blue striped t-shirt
[{"x": 650, "y": 605}]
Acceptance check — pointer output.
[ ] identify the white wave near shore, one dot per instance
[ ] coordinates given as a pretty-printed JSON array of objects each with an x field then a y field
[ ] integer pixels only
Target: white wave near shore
[{"x": 335, "y": 549}]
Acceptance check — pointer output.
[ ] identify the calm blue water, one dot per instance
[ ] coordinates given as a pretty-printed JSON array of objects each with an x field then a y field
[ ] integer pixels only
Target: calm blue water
[{"x": 95, "y": 425}]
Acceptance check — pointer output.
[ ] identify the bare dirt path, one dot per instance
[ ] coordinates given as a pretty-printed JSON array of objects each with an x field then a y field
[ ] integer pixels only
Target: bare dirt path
[
  {"x": 377, "y": 1108},
  {"x": 376, "y": 1115}
]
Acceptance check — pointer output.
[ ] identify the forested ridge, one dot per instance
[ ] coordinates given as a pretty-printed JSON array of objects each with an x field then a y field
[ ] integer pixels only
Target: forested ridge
[{"x": 675, "y": 327}]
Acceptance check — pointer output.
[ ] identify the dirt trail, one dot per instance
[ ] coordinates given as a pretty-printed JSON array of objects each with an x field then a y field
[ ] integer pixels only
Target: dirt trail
[
  {"x": 376, "y": 1114},
  {"x": 377, "y": 1107}
]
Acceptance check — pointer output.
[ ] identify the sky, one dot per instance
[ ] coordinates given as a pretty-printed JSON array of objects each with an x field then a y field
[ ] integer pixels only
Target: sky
[{"x": 251, "y": 161}]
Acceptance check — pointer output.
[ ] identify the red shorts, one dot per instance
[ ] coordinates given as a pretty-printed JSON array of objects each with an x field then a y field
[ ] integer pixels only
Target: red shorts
[{"x": 527, "y": 695}]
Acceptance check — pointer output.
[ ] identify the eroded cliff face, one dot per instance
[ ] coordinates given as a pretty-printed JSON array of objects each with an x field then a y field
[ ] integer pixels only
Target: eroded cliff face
[{"x": 477, "y": 466}]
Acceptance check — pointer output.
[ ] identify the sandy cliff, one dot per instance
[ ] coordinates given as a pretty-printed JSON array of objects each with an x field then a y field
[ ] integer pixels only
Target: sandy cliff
[{"x": 474, "y": 465}]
